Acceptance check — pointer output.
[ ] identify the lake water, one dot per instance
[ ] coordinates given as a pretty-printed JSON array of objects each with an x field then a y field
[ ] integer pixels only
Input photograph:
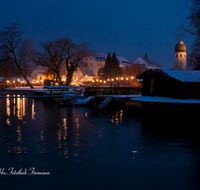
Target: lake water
[{"x": 43, "y": 146}]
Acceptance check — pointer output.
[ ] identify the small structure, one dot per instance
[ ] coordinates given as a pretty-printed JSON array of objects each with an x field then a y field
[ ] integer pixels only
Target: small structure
[{"x": 171, "y": 83}]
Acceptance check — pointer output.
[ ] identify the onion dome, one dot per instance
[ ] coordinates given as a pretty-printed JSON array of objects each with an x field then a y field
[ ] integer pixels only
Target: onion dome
[{"x": 180, "y": 46}]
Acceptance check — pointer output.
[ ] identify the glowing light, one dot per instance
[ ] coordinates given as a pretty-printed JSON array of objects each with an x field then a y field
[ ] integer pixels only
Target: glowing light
[
  {"x": 132, "y": 77},
  {"x": 108, "y": 79},
  {"x": 126, "y": 78},
  {"x": 112, "y": 79},
  {"x": 100, "y": 80},
  {"x": 97, "y": 80},
  {"x": 104, "y": 81},
  {"x": 117, "y": 78},
  {"x": 122, "y": 78}
]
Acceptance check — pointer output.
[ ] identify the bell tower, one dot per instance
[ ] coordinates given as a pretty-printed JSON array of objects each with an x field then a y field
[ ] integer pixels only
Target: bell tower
[{"x": 180, "y": 56}]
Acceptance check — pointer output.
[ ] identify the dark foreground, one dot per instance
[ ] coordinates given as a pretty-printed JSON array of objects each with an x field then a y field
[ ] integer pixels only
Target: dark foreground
[{"x": 47, "y": 147}]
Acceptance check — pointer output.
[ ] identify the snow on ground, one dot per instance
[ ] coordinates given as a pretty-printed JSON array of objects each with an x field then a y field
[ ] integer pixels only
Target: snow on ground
[
  {"x": 26, "y": 88},
  {"x": 121, "y": 96},
  {"x": 164, "y": 99},
  {"x": 84, "y": 101}
]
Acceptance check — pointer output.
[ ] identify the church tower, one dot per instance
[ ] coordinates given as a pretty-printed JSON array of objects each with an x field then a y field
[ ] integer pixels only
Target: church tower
[{"x": 180, "y": 56}]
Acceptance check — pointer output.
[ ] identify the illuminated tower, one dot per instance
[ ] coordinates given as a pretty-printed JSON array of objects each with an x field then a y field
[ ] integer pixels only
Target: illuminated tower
[{"x": 180, "y": 56}]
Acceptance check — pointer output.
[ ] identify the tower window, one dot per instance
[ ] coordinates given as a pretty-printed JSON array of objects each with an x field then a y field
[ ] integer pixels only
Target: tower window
[
  {"x": 180, "y": 55},
  {"x": 176, "y": 55},
  {"x": 184, "y": 55},
  {"x": 91, "y": 71},
  {"x": 91, "y": 64}
]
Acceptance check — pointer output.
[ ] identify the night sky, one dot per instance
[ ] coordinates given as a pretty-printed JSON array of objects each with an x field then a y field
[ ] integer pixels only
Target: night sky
[{"x": 131, "y": 28}]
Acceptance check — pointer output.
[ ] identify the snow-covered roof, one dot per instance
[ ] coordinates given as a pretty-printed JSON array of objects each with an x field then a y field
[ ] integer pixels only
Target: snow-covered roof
[
  {"x": 184, "y": 75},
  {"x": 146, "y": 61},
  {"x": 15, "y": 78},
  {"x": 181, "y": 75},
  {"x": 98, "y": 56},
  {"x": 21, "y": 78}
]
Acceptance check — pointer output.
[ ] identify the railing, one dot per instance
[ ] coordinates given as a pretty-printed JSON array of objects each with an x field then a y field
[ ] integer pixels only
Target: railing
[{"x": 91, "y": 91}]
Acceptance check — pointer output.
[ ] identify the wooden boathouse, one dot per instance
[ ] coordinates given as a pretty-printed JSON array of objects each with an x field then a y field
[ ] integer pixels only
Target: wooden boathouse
[
  {"x": 181, "y": 84},
  {"x": 167, "y": 91}
]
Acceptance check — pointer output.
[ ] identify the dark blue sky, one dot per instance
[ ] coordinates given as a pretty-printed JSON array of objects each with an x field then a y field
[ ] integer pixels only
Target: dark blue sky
[{"x": 131, "y": 28}]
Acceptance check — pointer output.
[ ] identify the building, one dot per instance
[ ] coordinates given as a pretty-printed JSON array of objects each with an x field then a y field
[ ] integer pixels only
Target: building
[
  {"x": 180, "y": 56},
  {"x": 146, "y": 63},
  {"x": 91, "y": 64},
  {"x": 171, "y": 83}
]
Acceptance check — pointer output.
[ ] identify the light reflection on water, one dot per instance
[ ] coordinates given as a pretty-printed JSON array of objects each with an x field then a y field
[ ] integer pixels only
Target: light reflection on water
[{"x": 83, "y": 148}]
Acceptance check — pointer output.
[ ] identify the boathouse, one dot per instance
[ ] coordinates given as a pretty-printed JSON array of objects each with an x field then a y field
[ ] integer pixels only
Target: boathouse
[{"x": 171, "y": 83}]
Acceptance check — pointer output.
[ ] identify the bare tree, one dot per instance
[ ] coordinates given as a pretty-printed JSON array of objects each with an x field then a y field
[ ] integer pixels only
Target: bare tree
[
  {"x": 74, "y": 58},
  {"x": 53, "y": 55},
  {"x": 17, "y": 51},
  {"x": 193, "y": 30},
  {"x": 133, "y": 70}
]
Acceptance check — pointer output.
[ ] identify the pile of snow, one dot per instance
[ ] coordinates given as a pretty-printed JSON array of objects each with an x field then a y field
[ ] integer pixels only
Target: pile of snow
[
  {"x": 164, "y": 99},
  {"x": 84, "y": 101},
  {"x": 56, "y": 87}
]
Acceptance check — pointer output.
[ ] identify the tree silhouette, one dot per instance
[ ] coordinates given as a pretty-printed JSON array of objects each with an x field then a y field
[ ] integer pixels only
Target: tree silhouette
[
  {"x": 19, "y": 52},
  {"x": 111, "y": 68}
]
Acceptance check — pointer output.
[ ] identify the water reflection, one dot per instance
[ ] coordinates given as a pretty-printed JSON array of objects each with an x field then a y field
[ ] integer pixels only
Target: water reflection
[
  {"x": 19, "y": 138},
  {"x": 77, "y": 146},
  {"x": 33, "y": 110},
  {"x": 20, "y": 107},
  {"x": 117, "y": 117},
  {"x": 16, "y": 105},
  {"x": 8, "y": 105}
]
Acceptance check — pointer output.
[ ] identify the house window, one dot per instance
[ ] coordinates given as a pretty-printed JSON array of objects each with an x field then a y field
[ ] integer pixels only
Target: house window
[
  {"x": 91, "y": 71},
  {"x": 86, "y": 71},
  {"x": 184, "y": 55},
  {"x": 90, "y": 58},
  {"x": 176, "y": 55},
  {"x": 86, "y": 58},
  {"x": 180, "y": 55},
  {"x": 91, "y": 64},
  {"x": 98, "y": 64}
]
